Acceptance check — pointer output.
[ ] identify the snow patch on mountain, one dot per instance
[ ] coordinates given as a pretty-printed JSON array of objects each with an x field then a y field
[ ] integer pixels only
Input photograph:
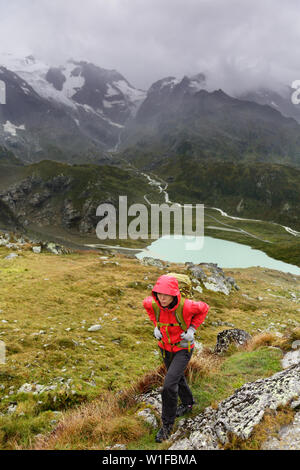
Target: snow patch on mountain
[
  {"x": 74, "y": 80},
  {"x": 110, "y": 104},
  {"x": 11, "y": 128},
  {"x": 112, "y": 123},
  {"x": 170, "y": 81},
  {"x": 111, "y": 91},
  {"x": 99, "y": 113},
  {"x": 133, "y": 95},
  {"x": 196, "y": 85},
  {"x": 33, "y": 72},
  {"x": 193, "y": 84}
]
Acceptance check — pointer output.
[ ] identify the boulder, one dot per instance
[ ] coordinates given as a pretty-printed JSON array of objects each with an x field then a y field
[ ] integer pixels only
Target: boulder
[{"x": 226, "y": 337}]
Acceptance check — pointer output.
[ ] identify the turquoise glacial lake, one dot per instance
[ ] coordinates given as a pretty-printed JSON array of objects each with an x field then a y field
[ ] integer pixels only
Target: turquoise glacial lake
[{"x": 225, "y": 253}]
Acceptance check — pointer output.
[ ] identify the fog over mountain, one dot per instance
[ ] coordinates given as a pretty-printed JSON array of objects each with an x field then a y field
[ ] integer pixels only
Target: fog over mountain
[{"x": 239, "y": 46}]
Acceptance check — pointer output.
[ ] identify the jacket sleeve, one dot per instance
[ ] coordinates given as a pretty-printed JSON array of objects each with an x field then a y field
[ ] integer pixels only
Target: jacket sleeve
[
  {"x": 147, "y": 303},
  {"x": 198, "y": 312}
]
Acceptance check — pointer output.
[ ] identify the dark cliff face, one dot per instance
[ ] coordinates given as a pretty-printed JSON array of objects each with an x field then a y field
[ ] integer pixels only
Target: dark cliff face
[
  {"x": 94, "y": 92},
  {"x": 44, "y": 203},
  {"x": 8, "y": 218},
  {"x": 177, "y": 118}
]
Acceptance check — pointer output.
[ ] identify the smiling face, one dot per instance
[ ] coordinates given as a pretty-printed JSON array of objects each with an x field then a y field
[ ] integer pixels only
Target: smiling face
[{"x": 164, "y": 299}]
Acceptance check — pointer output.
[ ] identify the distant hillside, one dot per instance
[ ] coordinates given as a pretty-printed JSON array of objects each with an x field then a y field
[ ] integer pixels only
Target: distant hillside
[
  {"x": 176, "y": 120},
  {"x": 52, "y": 194},
  {"x": 8, "y": 158},
  {"x": 256, "y": 190}
]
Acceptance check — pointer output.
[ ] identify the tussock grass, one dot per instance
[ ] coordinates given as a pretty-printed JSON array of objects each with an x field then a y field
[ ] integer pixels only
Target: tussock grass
[
  {"x": 94, "y": 425},
  {"x": 271, "y": 339},
  {"x": 265, "y": 339},
  {"x": 104, "y": 421},
  {"x": 203, "y": 365},
  {"x": 145, "y": 384}
]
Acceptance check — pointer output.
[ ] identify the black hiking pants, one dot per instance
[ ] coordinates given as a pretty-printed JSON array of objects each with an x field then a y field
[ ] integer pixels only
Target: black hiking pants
[{"x": 175, "y": 384}]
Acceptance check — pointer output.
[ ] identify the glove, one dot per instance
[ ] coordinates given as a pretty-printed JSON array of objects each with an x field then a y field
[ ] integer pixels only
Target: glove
[
  {"x": 189, "y": 334},
  {"x": 157, "y": 333}
]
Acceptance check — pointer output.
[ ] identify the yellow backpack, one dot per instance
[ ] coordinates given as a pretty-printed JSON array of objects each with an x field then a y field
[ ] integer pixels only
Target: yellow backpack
[{"x": 184, "y": 283}]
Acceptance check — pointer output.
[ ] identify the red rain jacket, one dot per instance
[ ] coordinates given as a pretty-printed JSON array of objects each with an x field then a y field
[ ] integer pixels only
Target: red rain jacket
[{"x": 194, "y": 312}]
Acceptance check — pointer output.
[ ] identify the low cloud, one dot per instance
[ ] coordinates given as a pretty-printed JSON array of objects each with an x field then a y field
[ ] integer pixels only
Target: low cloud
[{"x": 238, "y": 44}]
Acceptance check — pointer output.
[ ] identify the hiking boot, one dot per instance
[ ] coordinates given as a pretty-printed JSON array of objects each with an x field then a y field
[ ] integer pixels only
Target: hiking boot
[
  {"x": 164, "y": 433},
  {"x": 183, "y": 409}
]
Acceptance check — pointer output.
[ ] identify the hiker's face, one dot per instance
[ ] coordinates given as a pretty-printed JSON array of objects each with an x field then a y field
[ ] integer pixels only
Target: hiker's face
[{"x": 164, "y": 299}]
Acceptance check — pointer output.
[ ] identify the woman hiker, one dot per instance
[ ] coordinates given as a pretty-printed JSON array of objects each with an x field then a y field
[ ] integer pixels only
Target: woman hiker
[{"x": 175, "y": 333}]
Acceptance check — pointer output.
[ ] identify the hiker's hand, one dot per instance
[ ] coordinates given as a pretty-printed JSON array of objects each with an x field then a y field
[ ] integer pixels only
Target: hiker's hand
[
  {"x": 189, "y": 334},
  {"x": 157, "y": 333}
]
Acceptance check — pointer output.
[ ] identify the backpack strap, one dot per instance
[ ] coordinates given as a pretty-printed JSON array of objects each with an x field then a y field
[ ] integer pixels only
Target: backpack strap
[
  {"x": 156, "y": 310},
  {"x": 180, "y": 319},
  {"x": 179, "y": 314}
]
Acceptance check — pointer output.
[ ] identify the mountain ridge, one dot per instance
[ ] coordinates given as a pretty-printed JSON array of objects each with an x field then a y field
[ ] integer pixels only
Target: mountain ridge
[{"x": 79, "y": 112}]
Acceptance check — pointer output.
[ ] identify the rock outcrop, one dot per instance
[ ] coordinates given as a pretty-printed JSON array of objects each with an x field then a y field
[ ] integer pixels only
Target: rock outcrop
[
  {"x": 211, "y": 277},
  {"x": 149, "y": 261},
  {"x": 13, "y": 241}
]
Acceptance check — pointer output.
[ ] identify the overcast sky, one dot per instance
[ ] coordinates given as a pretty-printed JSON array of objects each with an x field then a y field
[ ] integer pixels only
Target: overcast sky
[{"x": 237, "y": 43}]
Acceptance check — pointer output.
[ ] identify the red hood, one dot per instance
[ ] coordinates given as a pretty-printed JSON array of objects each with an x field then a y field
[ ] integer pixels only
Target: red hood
[{"x": 167, "y": 285}]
